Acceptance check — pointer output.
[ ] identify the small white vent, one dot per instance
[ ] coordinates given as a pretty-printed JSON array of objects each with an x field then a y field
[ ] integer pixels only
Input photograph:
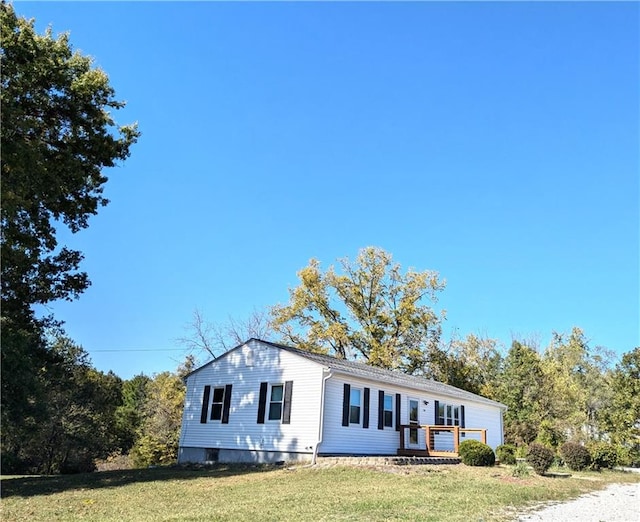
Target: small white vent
[{"x": 248, "y": 356}]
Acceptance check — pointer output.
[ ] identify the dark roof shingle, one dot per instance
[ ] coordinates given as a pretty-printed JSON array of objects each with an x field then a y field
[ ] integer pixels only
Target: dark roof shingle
[{"x": 366, "y": 371}]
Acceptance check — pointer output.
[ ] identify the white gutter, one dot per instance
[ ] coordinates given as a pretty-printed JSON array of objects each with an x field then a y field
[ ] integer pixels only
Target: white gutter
[{"x": 321, "y": 424}]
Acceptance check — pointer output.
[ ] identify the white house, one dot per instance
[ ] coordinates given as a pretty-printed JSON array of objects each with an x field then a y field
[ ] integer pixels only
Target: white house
[{"x": 265, "y": 402}]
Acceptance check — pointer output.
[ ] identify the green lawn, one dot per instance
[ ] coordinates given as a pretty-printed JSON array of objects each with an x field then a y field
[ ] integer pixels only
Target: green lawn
[{"x": 300, "y": 493}]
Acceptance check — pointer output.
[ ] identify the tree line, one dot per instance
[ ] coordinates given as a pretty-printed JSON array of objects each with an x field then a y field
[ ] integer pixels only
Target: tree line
[{"x": 59, "y": 414}]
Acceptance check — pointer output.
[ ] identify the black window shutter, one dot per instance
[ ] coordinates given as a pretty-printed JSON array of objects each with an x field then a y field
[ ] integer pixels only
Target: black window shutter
[
  {"x": 436, "y": 405},
  {"x": 262, "y": 402},
  {"x": 345, "y": 404},
  {"x": 365, "y": 420},
  {"x": 398, "y": 402},
  {"x": 462, "y": 416},
  {"x": 286, "y": 407},
  {"x": 227, "y": 404},
  {"x": 205, "y": 404},
  {"x": 380, "y": 410}
]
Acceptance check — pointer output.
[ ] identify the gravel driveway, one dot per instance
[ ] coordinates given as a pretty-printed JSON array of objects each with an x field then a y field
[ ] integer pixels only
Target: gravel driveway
[{"x": 616, "y": 503}]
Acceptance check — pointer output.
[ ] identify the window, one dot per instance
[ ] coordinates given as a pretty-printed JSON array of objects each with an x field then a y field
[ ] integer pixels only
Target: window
[
  {"x": 388, "y": 411},
  {"x": 218, "y": 401},
  {"x": 275, "y": 402},
  {"x": 220, "y": 404},
  {"x": 448, "y": 415},
  {"x": 355, "y": 401},
  {"x": 355, "y": 407}
]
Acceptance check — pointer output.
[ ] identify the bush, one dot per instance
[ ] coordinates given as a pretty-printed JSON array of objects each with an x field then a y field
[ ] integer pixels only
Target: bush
[
  {"x": 113, "y": 462},
  {"x": 540, "y": 458},
  {"x": 521, "y": 452},
  {"x": 506, "y": 453},
  {"x": 520, "y": 470},
  {"x": 603, "y": 455},
  {"x": 629, "y": 456},
  {"x": 575, "y": 456},
  {"x": 475, "y": 453},
  {"x": 78, "y": 462}
]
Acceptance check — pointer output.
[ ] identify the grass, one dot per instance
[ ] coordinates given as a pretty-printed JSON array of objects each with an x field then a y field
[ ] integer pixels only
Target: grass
[{"x": 301, "y": 493}]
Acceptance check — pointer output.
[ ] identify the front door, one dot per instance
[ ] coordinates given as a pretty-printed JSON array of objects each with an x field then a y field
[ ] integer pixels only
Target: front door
[{"x": 414, "y": 420}]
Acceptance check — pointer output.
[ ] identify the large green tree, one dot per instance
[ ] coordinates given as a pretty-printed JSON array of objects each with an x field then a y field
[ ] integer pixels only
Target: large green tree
[
  {"x": 75, "y": 423},
  {"x": 473, "y": 364},
  {"x": 575, "y": 387},
  {"x": 623, "y": 413},
  {"x": 130, "y": 415},
  {"x": 521, "y": 390},
  {"x": 370, "y": 311},
  {"x": 159, "y": 432},
  {"x": 57, "y": 135}
]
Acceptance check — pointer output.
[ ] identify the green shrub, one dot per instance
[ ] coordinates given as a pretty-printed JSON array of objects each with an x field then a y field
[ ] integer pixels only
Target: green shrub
[
  {"x": 78, "y": 462},
  {"x": 521, "y": 452},
  {"x": 575, "y": 456},
  {"x": 475, "y": 453},
  {"x": 520, "y": 470},
  {"x": 603, "y": 455},
  {"x": 629, "y": 456},
  {"x": 506, "y": 453},
  {"x": 540, "y": 458}
]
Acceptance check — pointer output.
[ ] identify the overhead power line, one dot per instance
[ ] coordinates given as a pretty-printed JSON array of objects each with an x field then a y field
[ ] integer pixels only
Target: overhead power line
[{"x": 140, "y": 350}]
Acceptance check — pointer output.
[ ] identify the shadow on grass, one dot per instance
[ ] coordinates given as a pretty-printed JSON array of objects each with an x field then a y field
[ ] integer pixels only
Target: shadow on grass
[{"x": 31, "y": 486}]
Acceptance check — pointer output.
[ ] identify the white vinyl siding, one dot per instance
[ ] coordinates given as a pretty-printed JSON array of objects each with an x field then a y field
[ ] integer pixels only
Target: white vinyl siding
[
  {"x": 245, "y": 368},
  {"x": 484, "y": 416},
  {"x": 355, "y": 439},
  {"x": 339, "y": 439}
]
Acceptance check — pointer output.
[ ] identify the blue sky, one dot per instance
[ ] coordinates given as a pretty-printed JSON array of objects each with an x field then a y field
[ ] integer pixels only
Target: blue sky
[{"x": 497, "y": 143}]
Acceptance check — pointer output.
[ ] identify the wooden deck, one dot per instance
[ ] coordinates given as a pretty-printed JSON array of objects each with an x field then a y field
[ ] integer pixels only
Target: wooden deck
[{"x": 438, "y": 441}]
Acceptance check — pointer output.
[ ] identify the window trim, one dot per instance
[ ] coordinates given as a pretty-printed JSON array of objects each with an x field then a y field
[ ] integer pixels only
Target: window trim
[
  {"x": 359, "y": 405},
  {"x": 356, "y": 400},
  {"x": 207, "y": 406},
  {"x": 414, "y": 436},
  {"x": 215, "y": 403},
  {"x": 271, "y": 402},
  {"x": 385, "y": 411},
  {"x": 448, "y": 414},
  {"x": 265, "y": 402}
]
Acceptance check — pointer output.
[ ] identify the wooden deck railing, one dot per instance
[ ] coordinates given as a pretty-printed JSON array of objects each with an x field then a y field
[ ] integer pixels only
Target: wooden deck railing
[{"x": 432, "y": 447}]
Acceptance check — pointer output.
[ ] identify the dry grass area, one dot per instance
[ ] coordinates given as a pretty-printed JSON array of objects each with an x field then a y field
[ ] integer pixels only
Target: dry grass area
[{"x": 452, "y": 493}]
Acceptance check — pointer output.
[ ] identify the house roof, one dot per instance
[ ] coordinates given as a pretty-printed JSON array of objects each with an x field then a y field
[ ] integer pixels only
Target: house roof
[
  {"x": 372, "y": 373},
  {"x": 366, "y": 371}
]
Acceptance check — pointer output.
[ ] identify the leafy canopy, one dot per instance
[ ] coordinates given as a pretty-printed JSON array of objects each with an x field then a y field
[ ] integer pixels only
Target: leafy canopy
[
  {"x": 57, "y": 136},
  {"x": 623, "y": 415},
  {"x": 371, "y": 311}
]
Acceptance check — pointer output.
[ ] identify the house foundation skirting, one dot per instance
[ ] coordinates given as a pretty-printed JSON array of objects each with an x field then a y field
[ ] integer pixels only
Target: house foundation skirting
[{"x": 225, "y": 455}]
